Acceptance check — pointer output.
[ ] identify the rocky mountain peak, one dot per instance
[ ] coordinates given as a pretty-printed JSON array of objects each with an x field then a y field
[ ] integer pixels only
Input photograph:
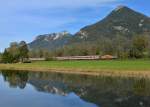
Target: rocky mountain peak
[
  {"x": 122, "y": 21},
  {"x": 50, "y": 41},
  {"x": 121, "y": 7},
  {"x": 52, "y": 36}
]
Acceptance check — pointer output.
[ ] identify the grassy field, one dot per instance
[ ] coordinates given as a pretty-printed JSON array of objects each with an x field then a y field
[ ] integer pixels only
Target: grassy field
[{"x": 113, "y": 67}]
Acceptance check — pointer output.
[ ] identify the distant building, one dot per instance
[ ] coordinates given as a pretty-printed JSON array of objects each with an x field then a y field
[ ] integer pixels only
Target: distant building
[
  {"x": 37, "y": 59},
  {"x": 108, "y": 57},
  {"x": 92, "y": 57}
]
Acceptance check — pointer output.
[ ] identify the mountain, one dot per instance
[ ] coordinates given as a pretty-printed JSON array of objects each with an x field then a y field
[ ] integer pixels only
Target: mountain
[
  {"x": 122, "y": 21},
  {"x": 50, "y": 41}
]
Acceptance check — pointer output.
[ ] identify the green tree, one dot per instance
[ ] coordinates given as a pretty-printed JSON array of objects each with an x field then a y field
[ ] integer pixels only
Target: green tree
[
  {"x": 7, "y": 57},
  {"x": 139, "y": 46},
  {"x": 14, "y": 51},
  {"x": 23, "y": 51}
]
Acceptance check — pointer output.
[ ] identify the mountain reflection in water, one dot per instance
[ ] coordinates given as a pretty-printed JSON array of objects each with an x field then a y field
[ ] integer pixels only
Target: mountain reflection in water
[{"x": 101, "y": 91}]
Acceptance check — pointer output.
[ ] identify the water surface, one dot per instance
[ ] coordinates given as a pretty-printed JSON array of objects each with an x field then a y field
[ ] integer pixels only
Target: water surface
[{"x": 39, "y": 89}]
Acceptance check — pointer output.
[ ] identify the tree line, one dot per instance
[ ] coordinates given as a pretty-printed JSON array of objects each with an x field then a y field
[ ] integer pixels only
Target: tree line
[{"x": 120, "y": 46}]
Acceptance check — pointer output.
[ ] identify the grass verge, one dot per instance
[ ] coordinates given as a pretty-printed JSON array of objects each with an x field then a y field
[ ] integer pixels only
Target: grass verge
[{"x": 111, "y": 68}]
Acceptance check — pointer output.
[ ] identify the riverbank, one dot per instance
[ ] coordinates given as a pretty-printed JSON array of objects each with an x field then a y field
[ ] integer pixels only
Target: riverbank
[{"x": 107, "y": 68}]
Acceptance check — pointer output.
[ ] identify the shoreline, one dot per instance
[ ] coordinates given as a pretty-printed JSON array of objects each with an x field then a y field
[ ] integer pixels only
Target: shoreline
[
  {"x": 122, "y": 68},
  {"x": 98, "y": 72}
]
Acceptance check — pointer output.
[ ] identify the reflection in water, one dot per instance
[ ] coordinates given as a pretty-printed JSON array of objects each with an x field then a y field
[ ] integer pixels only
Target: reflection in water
[
  {"x": 16, "y": 79},
  {"x": 102, "y": 91}
]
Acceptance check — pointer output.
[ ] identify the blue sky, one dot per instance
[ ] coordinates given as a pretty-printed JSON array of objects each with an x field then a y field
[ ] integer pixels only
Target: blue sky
[{"x": 25, "y": 19}]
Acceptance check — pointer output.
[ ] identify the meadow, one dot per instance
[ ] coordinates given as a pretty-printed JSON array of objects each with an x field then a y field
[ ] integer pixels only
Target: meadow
[{"x": 104, "y": 67}]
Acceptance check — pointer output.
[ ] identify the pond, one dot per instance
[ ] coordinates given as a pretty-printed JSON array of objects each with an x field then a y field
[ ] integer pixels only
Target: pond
[{"x": 41, "y": 89}]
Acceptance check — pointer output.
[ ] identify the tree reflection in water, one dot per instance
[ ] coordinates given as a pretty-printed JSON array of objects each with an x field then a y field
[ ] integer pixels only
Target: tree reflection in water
[
  {"x": 16, "y": 79},
  {"x": 103, "y": 91}
]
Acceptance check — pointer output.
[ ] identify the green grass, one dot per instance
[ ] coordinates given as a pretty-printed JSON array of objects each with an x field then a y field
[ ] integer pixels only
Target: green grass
[
  {"x": 109, "y": 65},
  {"x": 84, "y": 66},
  {"x": 114, "y": 65}
]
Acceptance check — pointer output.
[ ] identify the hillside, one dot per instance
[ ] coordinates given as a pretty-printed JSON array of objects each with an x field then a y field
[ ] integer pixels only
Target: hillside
[
  {"x": 50, "y": 41},
  {"x": 121, "y": 21},
  {"x": 112, "y": 35}
]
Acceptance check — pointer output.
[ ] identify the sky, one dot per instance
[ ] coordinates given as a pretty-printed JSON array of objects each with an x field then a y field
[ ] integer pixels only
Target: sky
[{"x": 25, "y": 19}]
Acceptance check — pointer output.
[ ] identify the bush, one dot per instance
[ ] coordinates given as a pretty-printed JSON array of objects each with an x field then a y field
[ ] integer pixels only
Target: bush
[{"x": 50, "y": 59}]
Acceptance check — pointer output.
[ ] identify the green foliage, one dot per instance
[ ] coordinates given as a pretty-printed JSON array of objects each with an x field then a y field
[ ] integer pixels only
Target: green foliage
[
  {"x": 123, "y": 47},
  {"x": 136, "y": 47},
  {"x": 7, "y": 57},
  {"x": 15, "y": 53},
  {"x": 140, "y": 45},
  {"x": 23, "y": 50}
]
